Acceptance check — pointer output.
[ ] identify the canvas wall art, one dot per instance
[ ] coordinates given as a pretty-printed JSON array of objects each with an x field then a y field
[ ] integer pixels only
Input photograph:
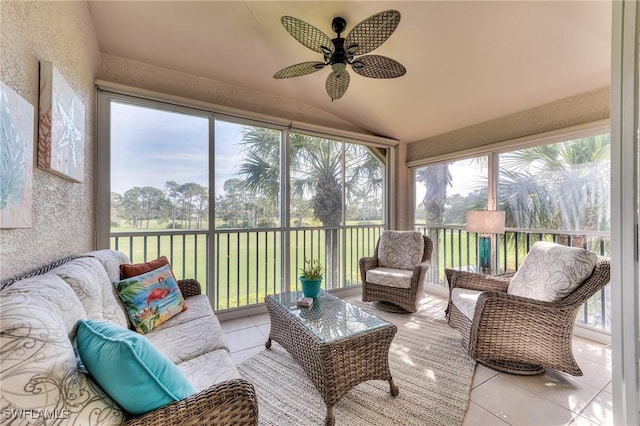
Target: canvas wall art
[
  {"x": 16, "y": 159},
  {"x": 60, "y": 126}
]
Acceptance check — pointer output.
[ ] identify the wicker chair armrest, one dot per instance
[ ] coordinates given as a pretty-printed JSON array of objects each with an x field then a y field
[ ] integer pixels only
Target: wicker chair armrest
[
  {"x": 420, "y": 271},
  {"x": 473, "y": 281},
  {"x": 500, "y": 299},
  {"x": 189, "y": 287},
  {"x": 231, "y": 402},
  {"x": 367, "y": 263}
]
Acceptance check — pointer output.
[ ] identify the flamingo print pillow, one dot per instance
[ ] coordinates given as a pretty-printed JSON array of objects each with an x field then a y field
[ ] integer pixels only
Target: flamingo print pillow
[{"x": 151, "y": 298}]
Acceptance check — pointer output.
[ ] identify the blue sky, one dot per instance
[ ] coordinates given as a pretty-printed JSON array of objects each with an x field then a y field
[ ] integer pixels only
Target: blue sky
[{"x": 150, "y": 147}]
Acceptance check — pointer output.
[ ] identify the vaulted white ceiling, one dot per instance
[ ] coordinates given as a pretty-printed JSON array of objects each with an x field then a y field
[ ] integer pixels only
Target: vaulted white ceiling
[{"x": 467, "y": 62}]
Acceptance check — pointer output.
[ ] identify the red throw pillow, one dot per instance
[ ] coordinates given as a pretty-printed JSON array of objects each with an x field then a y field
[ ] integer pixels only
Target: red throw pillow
[{"x": 135, "y": 269}]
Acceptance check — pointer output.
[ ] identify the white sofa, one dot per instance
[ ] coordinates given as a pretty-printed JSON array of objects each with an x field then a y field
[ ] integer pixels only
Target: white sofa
[{"x": 42, "y": 376}]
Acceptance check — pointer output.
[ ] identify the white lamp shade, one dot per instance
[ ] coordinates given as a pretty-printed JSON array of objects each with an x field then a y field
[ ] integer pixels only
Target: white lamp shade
[{"x": 485, "y": 221}]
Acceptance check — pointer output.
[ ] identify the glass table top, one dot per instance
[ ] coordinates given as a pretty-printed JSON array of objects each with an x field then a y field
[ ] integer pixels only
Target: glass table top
[{"x": 330, "y": 318}]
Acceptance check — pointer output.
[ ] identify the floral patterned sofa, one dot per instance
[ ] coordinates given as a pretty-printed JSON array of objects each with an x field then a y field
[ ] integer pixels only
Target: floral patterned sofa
[{"x": 44, "y": 381}]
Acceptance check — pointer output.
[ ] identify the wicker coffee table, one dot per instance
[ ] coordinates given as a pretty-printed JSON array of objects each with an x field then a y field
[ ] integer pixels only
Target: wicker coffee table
[{"x": 337, "y": 344}]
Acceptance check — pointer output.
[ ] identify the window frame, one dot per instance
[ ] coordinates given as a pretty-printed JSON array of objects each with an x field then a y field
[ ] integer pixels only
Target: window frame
[{"x": 108, "y": 92}]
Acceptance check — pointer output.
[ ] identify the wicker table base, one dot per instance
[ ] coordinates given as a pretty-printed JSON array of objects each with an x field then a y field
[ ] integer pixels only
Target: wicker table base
[{"x": 337, "y": 345}]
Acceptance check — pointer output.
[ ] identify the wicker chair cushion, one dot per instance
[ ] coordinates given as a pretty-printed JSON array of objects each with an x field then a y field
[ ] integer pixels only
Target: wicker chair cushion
[
  {"x": 465, "y": 300},
  {"x": 400, "y": 249},
  {"x": 551, "y": 271},
  {"x": 40, "y": 370},
  {"x": 90, "y": 282},
  {"x": 390, "y": 277}
]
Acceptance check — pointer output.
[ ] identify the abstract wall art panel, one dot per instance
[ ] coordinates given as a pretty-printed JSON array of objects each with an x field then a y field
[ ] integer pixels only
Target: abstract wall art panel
[
  {"x": 60, "y": 126},
  {"x": 16, "y": 159}
]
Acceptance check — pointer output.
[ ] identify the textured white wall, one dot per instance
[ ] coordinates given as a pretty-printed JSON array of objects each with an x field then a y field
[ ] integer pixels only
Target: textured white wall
[
  {"x": 581, "y": 109},
  {"x": 63, "y": 212},
  {"x": 141, "y": 75}
]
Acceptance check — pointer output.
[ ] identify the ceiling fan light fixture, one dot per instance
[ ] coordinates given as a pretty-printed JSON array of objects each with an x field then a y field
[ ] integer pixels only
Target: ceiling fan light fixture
[
  {"x": 338, "y": 67},
  {"x": 363, "y": 38}
]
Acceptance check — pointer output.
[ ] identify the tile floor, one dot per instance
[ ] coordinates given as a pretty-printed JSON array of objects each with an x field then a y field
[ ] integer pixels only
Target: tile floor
[{"x": 496, "y": 398}]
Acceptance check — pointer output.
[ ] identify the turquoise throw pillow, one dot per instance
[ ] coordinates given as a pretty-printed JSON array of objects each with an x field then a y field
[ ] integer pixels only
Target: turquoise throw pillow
[
  {"x": 129, "y": 368},
  {"x": 151, "y": 298}
]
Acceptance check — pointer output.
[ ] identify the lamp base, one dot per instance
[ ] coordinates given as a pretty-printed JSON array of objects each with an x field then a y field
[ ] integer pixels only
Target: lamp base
[{"x": 484, "y": 245}]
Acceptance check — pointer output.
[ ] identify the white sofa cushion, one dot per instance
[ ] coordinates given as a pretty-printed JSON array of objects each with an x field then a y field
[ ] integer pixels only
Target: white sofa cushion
[
  {"x": 111, "y": 261},
  {"x": 209, "y": 369},
  {"x": 551, "y": 271},
  {"x": 390, "y": 277},
  {"x": 89, "y": 280},
  {"x": 185, "y": 341},
  {"x": 400, "y": 249},
  {"x": 465, "y": 300},
  {"x": 199, "y": 307},
  {"x": 40, "y": 371}
]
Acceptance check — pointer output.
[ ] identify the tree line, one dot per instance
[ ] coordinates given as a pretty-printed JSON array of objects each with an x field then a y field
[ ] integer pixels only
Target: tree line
[{"x": 179, "y": 205}]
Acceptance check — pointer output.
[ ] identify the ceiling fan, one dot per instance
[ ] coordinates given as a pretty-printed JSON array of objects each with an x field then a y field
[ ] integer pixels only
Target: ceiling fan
[{"x": 340, "y": 52}]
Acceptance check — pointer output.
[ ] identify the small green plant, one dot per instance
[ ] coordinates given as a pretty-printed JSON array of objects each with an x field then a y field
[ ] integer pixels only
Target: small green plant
[{"x": 312, "y": 269}]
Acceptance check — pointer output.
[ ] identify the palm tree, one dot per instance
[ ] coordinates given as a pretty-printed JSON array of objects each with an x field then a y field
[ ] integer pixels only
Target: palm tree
[
  {"x": 317, "y": 173},
  {"x": 557, "y": 186},
  {"x": 436, "y": 179}
]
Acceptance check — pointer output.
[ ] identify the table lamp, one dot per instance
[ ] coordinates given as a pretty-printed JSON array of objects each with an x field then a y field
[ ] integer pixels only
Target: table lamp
[{"x": 486, "y": 223}]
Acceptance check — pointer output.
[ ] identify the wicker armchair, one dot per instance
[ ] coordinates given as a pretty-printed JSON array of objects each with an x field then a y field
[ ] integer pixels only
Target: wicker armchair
[
  {"x": 396, "y": 295},
  {"x": 516, "y": 334}
]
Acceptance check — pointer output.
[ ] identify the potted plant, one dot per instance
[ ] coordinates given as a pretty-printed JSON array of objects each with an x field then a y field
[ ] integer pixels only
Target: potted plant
[{"x": 311, "y": 277}]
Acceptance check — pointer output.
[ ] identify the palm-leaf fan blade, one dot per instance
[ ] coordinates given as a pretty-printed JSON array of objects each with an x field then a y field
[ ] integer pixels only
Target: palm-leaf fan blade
[
  {"x": 297, "y": 70},
  {"x": 337, "y": 84},
  {"x": 307, "y": 34},
  {"x": 372, "y": 32},
  {"x": 376, "y": 66}
]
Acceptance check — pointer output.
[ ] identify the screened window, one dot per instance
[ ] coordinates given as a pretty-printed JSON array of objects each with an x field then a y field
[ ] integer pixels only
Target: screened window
[{"x": 220, "y": 198}]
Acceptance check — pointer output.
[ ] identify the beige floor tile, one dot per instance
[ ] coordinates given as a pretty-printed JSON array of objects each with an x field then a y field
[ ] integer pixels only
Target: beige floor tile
[
  {"x": 236, "y": 324},
  {"x": 482, "y": 374},
  {"x": 583, "y": 421},
  {"x": 590, "y": 350},
  {"x": 558, "y": 388},
  {"x": 595, "y": 374},
  {"x": 264, "y": 329},
  {"x": 600, "y": 410},
  {"x": 260, "y": 319},
  {"x": 239, "y": 356},
  {"x": 244, "y": 339},
  {"x": 518, "y": 406},
  {"x": 478, "y": 416},
  {"x": 609, "y": 387}
]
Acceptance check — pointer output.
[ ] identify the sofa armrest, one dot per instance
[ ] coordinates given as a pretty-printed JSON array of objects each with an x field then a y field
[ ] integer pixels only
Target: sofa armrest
[
  {"x": 189, "y": 287},
  {"x": 233, "y": 402}
]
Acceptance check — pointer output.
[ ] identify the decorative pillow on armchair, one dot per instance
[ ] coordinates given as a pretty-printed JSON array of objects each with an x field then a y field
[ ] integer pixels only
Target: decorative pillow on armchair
[
  {"x": 551, "y": 271},
  {"x": 151, "y": 298},
  {"x": 400, "y": 249}
]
